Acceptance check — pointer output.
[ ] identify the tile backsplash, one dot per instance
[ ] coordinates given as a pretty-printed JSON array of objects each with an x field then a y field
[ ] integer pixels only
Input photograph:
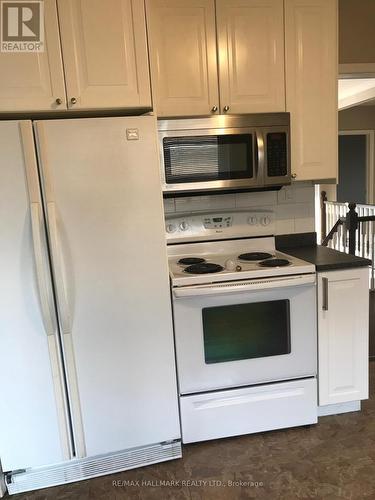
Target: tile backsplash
[{"x": 293, "y": 205}]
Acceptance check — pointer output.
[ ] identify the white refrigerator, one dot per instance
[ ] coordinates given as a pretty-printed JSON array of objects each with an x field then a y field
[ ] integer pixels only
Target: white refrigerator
[{"x": 87, "y": 357}]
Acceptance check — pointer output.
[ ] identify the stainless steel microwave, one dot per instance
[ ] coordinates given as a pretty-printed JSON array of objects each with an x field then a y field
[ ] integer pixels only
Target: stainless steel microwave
[{"x": 224, "y": 153}]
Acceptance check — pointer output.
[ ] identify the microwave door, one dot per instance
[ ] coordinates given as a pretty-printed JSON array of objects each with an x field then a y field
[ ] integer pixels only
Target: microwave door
[
  {"x": 276, "y": 156},
  {"x": 208, "y": 160}
]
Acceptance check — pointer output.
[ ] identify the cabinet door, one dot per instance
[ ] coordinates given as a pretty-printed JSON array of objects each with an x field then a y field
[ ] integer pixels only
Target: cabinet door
[
  {"x": 182, "y": 39},
  {"x": 343, "y": 323},
  {"x": 34, "y": 81},
  {"x": 105, "y": 53},
  {"x": 311, "y": 86},
  {"x": 251, "y": 55}
]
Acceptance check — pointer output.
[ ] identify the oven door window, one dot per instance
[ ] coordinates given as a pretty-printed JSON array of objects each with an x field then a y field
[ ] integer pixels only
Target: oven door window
[
  {"x": 208, "y": 158},
  {"x": 246, "y": 331}
]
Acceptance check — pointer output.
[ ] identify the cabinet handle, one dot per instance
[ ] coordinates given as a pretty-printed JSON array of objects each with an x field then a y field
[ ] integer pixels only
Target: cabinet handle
[
  {"x": 73, "y": 100},
  {"x": 294, "y": 176},
  {"x": 58, "y": 101},
  {"x": 214, "y": 109},
  {"x": 325, "y": 294},
  {"x": 226, "y": 108}
]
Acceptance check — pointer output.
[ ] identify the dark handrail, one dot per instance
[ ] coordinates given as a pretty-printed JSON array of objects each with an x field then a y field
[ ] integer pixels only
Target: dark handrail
[
  {"x": 351, "y": 222},
  {"x": 334, "y": 229},
  {"x": 323, "y": 218}
]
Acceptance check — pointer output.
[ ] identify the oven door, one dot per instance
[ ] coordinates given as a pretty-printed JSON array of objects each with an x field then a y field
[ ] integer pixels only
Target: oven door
[
  {"x": 211, "y": 159},
  {"x": 243, "y": 333}
]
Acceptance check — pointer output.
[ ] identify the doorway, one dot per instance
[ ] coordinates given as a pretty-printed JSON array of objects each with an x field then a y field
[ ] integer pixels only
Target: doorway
[{"x": 356, "y": 169}]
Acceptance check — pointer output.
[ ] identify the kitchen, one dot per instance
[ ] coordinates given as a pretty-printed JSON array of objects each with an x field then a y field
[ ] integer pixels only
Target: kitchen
[{"x": 161, "y": 279}]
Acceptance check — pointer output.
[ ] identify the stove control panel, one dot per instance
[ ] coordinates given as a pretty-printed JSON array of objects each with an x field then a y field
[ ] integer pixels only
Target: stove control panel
[
  {"x": 217, "y": 225},
  {"x": 217, "y": 222}
]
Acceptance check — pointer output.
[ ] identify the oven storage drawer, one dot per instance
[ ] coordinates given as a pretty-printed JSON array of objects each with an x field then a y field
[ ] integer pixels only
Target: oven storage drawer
[{"x": 248, "y": 410}]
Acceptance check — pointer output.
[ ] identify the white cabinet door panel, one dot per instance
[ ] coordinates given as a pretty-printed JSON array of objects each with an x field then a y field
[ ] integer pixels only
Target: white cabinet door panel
[
  {"x": 183, "y": 60},
  {"x": 251, "y": 55},
  {"x": 343, "y": 323},
  {"x": 105, "y": 53},
  {"x": 33, "y": 81},
  {"x": 311, "y": 86}
]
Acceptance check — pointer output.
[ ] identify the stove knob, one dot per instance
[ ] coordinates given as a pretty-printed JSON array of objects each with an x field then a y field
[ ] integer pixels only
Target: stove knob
[
  {"x": 184, "y": 226},
  {"x": 265, "y": 221},
  {"x": 230, "y": 265},
  {"x": 171, "y": 228},
  {"x": 253, "y": 221}
]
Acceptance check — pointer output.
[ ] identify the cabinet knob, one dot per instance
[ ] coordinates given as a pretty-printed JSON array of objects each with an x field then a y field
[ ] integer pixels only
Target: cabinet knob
[
  {"x": 294, "y": 176},
  {"x": 58, "y": 101},
  {"x": 73, "y": 100},
  {"x": 226, "y": 108},
  {"x": 214, "y": 109}
]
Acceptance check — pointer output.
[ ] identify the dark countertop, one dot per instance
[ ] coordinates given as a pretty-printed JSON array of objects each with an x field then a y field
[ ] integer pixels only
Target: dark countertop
[{"x": 304, "y": 247}]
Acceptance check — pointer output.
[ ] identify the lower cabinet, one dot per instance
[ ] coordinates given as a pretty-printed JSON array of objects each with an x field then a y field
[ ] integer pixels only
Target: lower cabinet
[{"x": 343, "y": 335}]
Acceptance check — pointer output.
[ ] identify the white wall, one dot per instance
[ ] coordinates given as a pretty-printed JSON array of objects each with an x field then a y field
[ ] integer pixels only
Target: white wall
[
  {"x": 293, "y": 205},
  {"x": 359, "y": 118},
  {"x": 356, "y": 31}
]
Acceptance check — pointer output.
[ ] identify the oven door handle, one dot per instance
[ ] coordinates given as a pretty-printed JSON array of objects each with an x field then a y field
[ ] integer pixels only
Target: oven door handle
[{"x": 244, "y": 286}]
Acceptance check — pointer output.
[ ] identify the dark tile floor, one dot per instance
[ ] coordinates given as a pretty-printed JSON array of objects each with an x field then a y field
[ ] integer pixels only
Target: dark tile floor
[{"x": 334, "y": 459}]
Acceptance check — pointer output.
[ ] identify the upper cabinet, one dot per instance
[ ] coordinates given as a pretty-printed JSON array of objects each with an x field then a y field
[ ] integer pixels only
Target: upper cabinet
[
  {"x": 32, "y": 81},
  {"x": 206, "y": 57},
  {"x": 104, "y": 48},
  {"x": 185, "y": 38},
  {"x": 250, "y": 37},
  {"x": 311, "y": 86},
  {"x": 104, "y": 51},
  {"x": 182, "y": 38}
]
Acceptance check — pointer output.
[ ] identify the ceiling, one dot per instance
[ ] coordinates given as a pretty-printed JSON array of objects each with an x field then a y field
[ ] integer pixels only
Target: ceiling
[{"x": 355, "y": 91}]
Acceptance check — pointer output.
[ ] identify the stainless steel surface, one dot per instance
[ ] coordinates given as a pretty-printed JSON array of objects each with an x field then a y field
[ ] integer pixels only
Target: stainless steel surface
[
  {"x": 225, "y": 121},
  {"x": 58, "y": 101},
  {"x": 259, "y": 160},
  {"x": 73, "y": 100},
  {"x": 256, "y": 124},
  {"x": 206, "y": 185},
  {"x": 325, "y": 294}
]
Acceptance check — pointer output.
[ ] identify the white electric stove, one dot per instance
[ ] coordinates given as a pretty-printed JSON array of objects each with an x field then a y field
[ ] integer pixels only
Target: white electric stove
[{"x": 245, "y": 326}]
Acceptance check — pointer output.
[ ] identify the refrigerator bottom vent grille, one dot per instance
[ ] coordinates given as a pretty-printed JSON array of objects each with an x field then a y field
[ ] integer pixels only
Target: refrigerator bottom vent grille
[{"x": 86, "y": 468}]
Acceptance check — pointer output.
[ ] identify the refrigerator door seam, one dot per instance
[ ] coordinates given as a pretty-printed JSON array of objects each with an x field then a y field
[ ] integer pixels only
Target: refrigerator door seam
[
  {"x": 45, "y": 292},
  {"x": 64, "y": 316}
]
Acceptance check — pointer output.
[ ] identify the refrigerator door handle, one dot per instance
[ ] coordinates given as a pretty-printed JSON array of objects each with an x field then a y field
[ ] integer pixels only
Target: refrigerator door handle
[
  {"x": 65, "y": 319},
  {"x": 48, "y": 313}
]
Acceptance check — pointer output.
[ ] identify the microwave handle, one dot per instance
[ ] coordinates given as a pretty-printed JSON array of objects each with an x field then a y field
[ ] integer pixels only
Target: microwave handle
[{"x": 259, "y": 161}]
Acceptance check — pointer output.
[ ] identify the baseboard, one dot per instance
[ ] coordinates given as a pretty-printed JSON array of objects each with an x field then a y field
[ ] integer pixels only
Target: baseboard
[
  {"x": 339, "y": 408},
  {"x": 87, "y": 468}
]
